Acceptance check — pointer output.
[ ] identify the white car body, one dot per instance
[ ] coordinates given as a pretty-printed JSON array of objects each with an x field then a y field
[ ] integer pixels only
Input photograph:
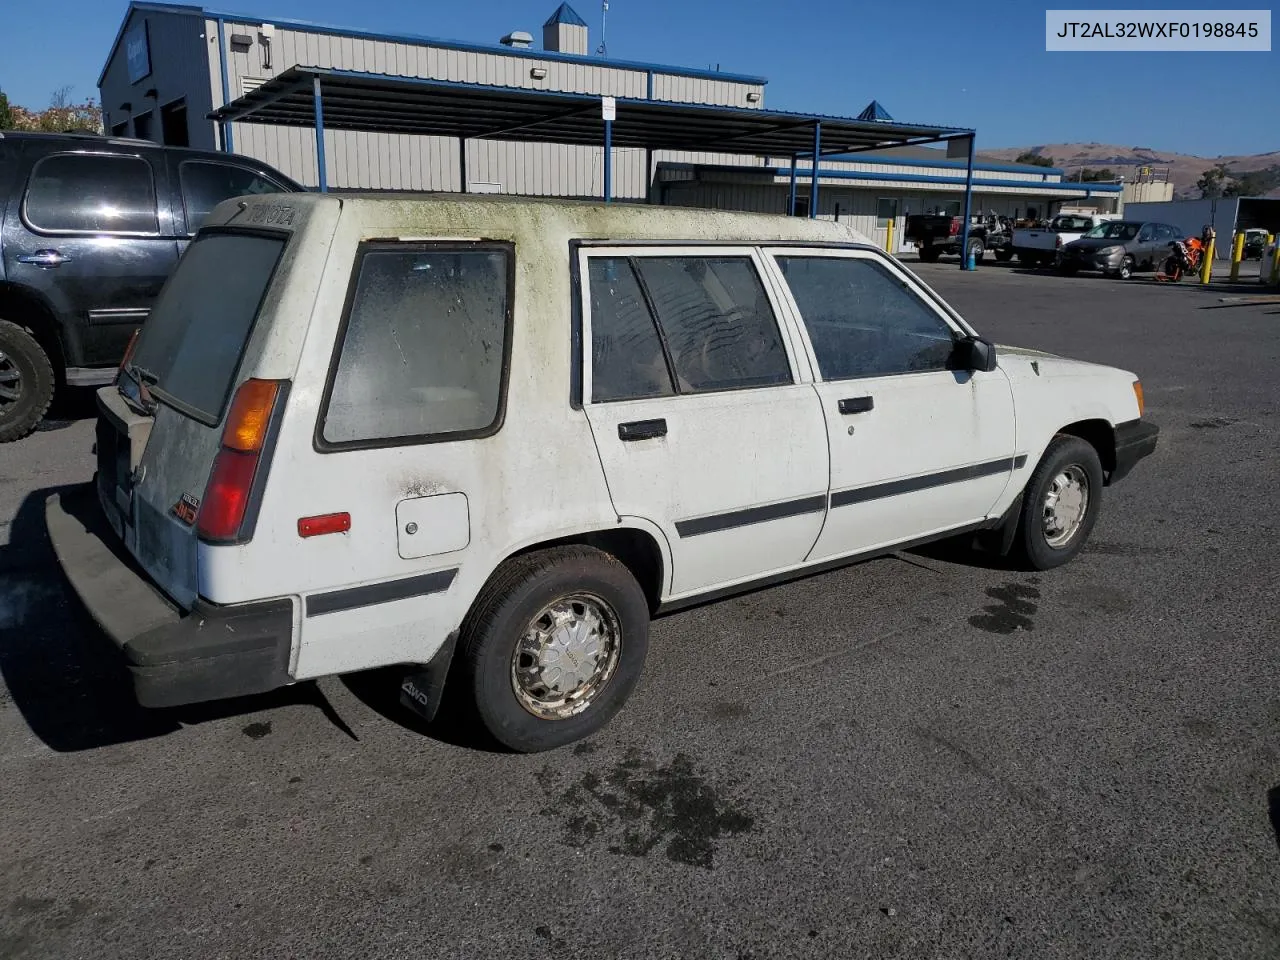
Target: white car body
[
  {"x": 746, "y": 486},
  {"x": 1049, "y": 240}
]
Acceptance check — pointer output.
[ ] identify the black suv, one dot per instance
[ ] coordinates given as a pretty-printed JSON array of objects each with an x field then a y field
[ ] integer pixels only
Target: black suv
[{"x": 90, "y": 227}]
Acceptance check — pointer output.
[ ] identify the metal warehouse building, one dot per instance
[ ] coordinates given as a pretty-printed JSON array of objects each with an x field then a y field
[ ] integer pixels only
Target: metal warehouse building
[{"x": 171, "y": 66}]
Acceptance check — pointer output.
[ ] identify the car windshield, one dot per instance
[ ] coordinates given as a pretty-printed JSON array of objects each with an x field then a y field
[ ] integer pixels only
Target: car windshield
[
  {"x": 1115, "y": 230},
  {"x": 1070, "y": 223}
]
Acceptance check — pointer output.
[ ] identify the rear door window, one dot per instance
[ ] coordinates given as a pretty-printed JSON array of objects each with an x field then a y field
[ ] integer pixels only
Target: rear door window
[
  {"x": 422, "y": 352},
  {"x": 206, "y": 183},
  {"x": 91, "y": 193},
  {"x": 190, "y": 347}
]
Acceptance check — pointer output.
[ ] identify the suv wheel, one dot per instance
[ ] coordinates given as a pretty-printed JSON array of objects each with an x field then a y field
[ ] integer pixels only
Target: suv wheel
[
  {"x": 26, "y": 382},
  {"x": 554, "y": 645},
  {"x": 1060, "y": 504}
]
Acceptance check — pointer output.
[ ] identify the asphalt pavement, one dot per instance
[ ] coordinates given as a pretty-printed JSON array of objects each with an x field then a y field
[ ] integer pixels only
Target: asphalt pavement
[{"x": 923, "y": 756}]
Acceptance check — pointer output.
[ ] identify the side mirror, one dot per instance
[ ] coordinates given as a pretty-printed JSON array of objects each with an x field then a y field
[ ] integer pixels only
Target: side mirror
[{"x": 974, "y": 353}]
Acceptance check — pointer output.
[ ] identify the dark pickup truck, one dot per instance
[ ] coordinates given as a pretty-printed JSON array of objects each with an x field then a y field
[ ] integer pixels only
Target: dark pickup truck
[
  {"x": 938, "y": 234},
  {"x": 90, "y": 227}
]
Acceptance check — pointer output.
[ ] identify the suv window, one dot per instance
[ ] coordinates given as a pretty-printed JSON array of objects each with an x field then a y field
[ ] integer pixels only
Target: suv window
[
  {"x": 863, "y": 321},
  {"x": 190, "y": 346},
  {"x": 423, "y": 346},
  {"x": 92, "y": 193},
  {"x": 717, "y": 329},
  {"x": 627, "y": 361},
  {"x": 1166, "y": 232},
  {"x": 206, "y": 183}
]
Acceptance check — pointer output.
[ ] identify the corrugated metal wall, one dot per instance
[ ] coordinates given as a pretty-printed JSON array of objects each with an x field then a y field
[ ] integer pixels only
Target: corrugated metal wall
[
  {"x": 177, "y": 70},
  {"x": 393, "y": 162}
]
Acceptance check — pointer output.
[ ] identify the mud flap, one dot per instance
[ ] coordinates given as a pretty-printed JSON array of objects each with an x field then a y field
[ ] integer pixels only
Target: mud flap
[{"x": 423, "y": 690}]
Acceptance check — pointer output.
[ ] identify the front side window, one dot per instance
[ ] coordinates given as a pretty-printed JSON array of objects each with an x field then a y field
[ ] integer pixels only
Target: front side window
[
  {"x": 703, "y": 322},
  {"x": 205, "y": 184},
  {"x": 864, "y": 321},
  {"x": 423, "y": 347},
  {"x": 91, "y": 193}
]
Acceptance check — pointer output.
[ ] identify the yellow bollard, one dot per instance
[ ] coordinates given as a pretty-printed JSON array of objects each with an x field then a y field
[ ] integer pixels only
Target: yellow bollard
[
  {"x": 1263, "y": 274},
  {"x": 888, "y": 240},
  {"x": 1275, "y": 263},
  {"x": 1237, "y": 254},
  {"x": 1206, "y": 266}
]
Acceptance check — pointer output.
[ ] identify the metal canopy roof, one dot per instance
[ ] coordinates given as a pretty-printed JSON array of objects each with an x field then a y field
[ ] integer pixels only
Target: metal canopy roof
[{"x": 388, "y": 104}]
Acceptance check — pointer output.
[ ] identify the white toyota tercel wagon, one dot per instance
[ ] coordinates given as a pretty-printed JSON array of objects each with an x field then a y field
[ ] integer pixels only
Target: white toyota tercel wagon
[{"x": 490, "y": 438}]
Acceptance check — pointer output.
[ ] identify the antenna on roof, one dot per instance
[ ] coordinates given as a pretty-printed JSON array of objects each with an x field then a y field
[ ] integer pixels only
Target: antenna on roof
[{"x": 603, "y": 49}]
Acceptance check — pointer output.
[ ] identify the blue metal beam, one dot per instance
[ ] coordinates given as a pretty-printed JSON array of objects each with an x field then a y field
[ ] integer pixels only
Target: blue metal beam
[
  {"x": 228, "y": 142},
  {"x": 791, "y": 195},
  {"x": 813, "y": 183},
  {"x": 968, "y": 210},
  {"x": 320, "y": 167},
  {"x": 608, "y": 161}
]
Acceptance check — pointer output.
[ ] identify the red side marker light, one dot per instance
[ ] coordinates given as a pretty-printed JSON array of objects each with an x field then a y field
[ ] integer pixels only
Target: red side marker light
[{"x": 325, "y": 523}]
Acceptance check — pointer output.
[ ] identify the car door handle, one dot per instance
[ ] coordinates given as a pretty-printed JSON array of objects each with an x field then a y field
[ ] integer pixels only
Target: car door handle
[
  {"x": 856, "y": 404},
  {"x": 642, "y": 429},
  {"x": 44, "y": 258}
]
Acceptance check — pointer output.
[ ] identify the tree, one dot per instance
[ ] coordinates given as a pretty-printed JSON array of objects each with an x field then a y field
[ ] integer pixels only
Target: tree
[
  {"x": 1096, "y": 176},
  {"x": 62, "y": 116},
  {"x": 1033, "y": 159},
  {"x": 1214, "y": 181},
  {"x": 6, "y": 114}
]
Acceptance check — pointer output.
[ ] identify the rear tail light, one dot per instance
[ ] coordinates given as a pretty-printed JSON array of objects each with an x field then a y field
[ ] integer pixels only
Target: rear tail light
[
  {"x": 955, "y": 226},
  {"x": 236, "y": 467},
  {"x": 1057, "y": 241}
]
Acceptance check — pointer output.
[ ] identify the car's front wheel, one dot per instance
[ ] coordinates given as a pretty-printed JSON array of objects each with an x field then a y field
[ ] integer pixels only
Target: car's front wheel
[
  {"x": 1060, "y": 503},
  {"x": 554, "y": 645},
  {"x": 1127, "y": 266}
]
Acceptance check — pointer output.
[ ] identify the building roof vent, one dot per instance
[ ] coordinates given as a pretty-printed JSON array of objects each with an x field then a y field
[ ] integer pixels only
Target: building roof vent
[
  {"x": 519, "y": 39},
  {"x": 873, "y": 111},
  {"x": 567, "y": 15}
]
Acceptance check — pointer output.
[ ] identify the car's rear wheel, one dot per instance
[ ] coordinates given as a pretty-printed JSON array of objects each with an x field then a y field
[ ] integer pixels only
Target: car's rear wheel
[
  {"x": 26, "y": 382},
  {"x": 930, "y": 254},
  {"x": 1060, "y": 503},
  {"x": 1068, "y": 267},
  {"x": 1004, "y": 255},
  {"x": 554, "y": 645},
  {"x": 976, "y": 250}
]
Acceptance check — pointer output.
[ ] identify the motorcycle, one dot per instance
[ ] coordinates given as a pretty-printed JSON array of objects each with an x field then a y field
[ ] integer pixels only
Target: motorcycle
[{"x": 1186, "y": 257}]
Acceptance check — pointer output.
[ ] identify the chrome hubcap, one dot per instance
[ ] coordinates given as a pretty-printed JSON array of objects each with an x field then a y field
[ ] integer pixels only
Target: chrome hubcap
[
  {"x": 1065, "y": 504},
  {"x": 566, "y": 656},
  {"x": 10, "y": 381}
]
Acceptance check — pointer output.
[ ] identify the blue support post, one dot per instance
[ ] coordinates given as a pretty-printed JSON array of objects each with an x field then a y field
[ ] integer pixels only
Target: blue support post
[
  {"x": 968, "y": 210},
  {"x": 228, "y": 141},
  {"x": 319, "y": 102},
  {"x": 817, "y": 155},
  {"x": 608, "y": 161},
  {"x": 649, "y": 86},
  {"x": 791, "y": 197}
]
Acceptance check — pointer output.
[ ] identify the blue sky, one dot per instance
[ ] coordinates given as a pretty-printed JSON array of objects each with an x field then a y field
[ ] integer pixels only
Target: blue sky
[{"x": 973, "y": 63}]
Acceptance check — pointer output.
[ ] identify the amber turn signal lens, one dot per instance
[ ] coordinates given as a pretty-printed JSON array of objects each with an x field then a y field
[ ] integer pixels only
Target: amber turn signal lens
[
  {"x": 1137, "y": 392},
  {"x": 246, "y": 427}
]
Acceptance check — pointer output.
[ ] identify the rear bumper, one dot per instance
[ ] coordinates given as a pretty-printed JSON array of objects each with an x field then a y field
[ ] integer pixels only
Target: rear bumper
[
  {"x": 176, "y": 657},
  {"x": 1134, "y": 440}
]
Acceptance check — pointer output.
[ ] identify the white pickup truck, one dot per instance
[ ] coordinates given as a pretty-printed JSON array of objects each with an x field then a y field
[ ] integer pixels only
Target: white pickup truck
[{"x": 1040, "y": 245}]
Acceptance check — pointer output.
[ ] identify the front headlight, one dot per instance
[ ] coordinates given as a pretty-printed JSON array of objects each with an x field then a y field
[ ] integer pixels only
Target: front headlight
[{"x": 1109, "y": 251}]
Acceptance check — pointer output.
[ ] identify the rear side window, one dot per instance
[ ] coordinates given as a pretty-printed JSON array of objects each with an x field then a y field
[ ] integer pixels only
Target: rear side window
[
  {"x": 206, "y": 183},
  {"x": 92, "y": 193},
  {"x": 704, "y": 321},
  {"x": 863, "y": 321},
  {"x": 191, "y": 345},
  {"x": 423, "y": 347}
]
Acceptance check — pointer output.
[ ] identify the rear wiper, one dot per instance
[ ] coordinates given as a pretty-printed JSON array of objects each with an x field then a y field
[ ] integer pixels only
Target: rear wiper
[{"x": 144, "y": 375}]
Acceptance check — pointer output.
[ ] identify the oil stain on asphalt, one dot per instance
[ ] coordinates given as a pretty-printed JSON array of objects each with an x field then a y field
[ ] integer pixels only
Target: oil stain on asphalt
[
  {"x": 637, "y": 806},
  {"x": 1013, "y": 609}
]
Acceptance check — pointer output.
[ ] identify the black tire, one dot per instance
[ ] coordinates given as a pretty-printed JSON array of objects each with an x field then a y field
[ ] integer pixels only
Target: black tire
[
  {"x": 507, "y": 605},
  {"x": 930, "y": 254},
  {"x": 1031, "y": 542},
  {"x": 1004, "y": 255},
  {"x": 977, "y": 248},
  {"x": 1068, "y": 268},
  {"x": 26, "y": 382},
  {"x": 1127, "y": 266},
  {"x": 1172, "y": 269}
]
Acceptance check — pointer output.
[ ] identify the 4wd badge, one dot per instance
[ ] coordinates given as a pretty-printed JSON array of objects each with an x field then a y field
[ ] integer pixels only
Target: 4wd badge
[{"x": 186, "y": 509}]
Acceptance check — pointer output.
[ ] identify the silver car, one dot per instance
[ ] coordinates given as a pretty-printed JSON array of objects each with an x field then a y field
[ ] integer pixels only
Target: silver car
[{"x": 1119, "y": 248}]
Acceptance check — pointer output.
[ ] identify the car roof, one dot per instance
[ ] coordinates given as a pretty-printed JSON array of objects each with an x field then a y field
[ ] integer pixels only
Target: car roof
[{"x": 493, "y": 215}]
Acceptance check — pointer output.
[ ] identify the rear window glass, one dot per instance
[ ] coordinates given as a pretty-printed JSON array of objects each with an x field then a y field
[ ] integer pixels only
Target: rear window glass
[
  {"x": 191, "y": 344},
  {"x": 205, "y": 184},
  {"x": 423, "y": 348}
]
